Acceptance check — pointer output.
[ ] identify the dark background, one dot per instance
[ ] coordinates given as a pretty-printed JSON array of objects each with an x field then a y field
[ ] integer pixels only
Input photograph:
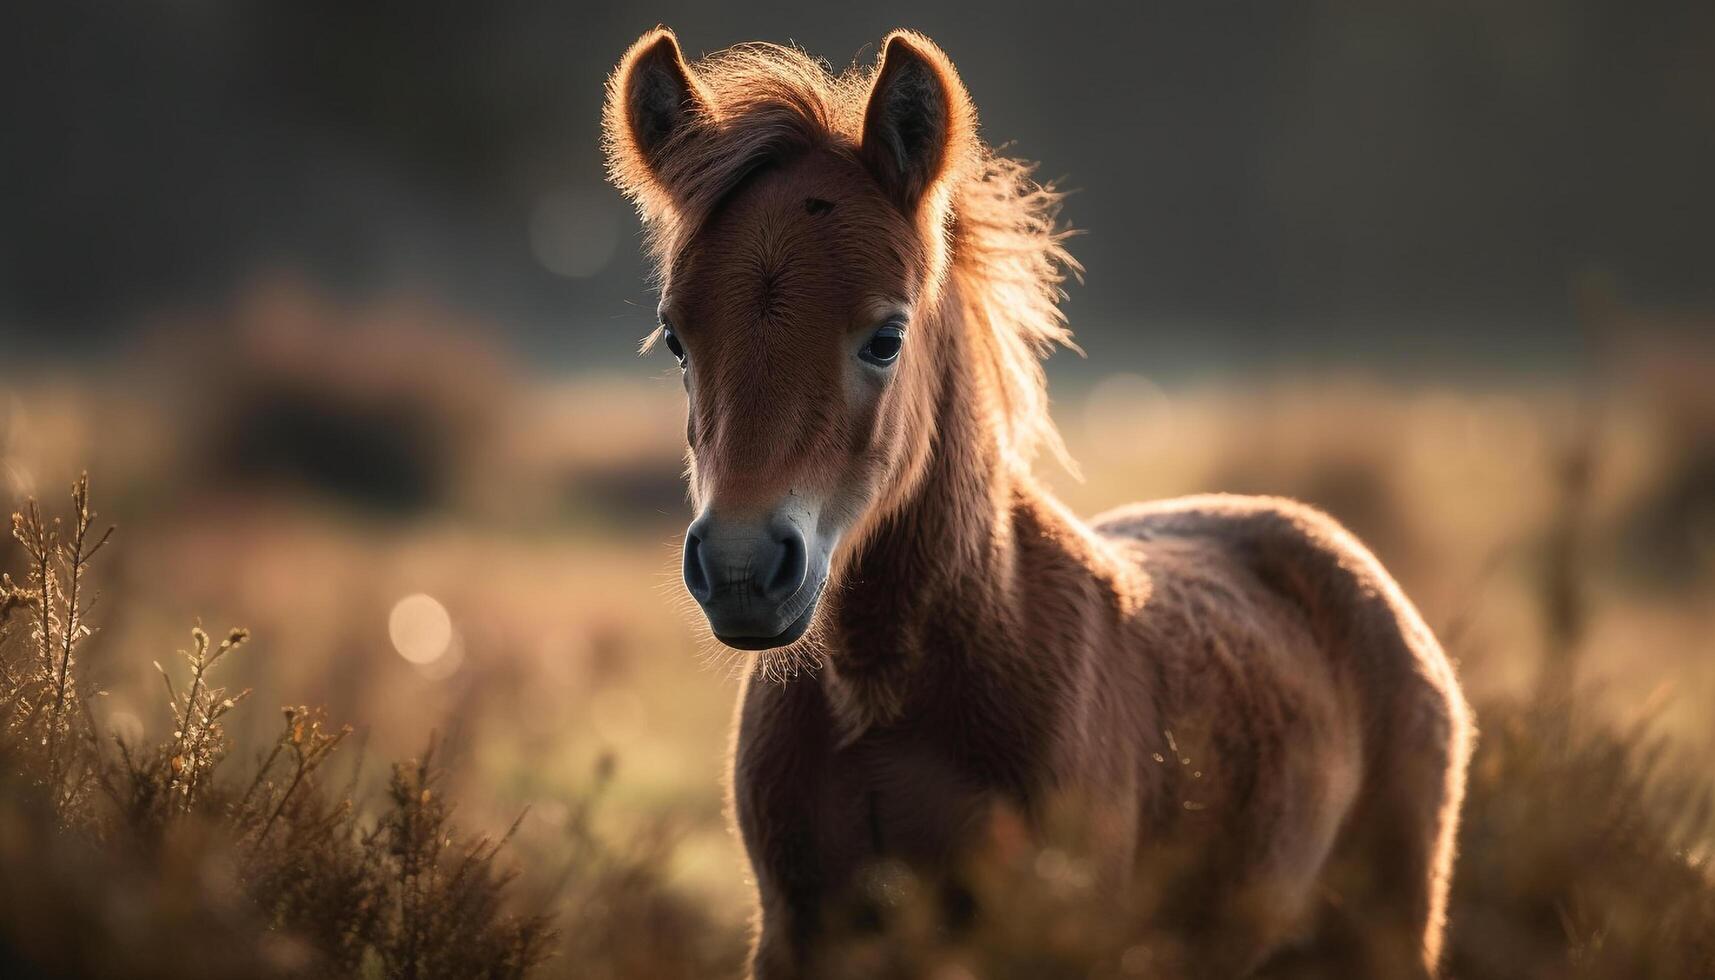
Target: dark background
[{"x": 1396, "y": 184}]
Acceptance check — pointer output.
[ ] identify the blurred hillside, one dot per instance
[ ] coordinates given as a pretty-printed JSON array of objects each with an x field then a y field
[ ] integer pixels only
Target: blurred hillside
[{"x": 1417, "y": 185}]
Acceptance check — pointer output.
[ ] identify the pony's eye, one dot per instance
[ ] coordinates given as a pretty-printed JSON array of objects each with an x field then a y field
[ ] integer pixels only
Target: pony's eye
[
  {"x": 883, "y": 346},
  {"x": 673, "y": 346}
]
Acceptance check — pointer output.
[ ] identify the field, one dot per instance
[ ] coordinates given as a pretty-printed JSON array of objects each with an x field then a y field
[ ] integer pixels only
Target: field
[{"x": 423, "y": 538}]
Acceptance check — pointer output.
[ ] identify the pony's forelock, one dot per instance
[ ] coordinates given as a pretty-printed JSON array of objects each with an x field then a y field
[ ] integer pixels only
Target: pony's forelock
[{"x": 753, "y": 104}]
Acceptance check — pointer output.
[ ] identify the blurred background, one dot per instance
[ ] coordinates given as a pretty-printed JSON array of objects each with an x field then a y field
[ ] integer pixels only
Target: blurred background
[{"x": 333, "y": 303}]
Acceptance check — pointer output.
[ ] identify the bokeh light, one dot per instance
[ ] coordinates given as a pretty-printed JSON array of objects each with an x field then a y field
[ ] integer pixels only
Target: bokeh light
[
  {"x": 421, "y": 628},
  {"x": 573, "y": 232}
]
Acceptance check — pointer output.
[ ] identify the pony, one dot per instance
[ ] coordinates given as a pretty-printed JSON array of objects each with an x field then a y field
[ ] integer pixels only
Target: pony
[{"x": 859, "y": 292}]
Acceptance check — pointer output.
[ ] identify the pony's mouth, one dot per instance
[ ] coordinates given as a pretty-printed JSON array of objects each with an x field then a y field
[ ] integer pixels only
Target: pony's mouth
[{"x": 791, "y": 634}]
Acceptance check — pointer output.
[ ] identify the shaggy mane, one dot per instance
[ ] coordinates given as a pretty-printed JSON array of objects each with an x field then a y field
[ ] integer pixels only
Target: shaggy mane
[{"x": 762, "y": 103}]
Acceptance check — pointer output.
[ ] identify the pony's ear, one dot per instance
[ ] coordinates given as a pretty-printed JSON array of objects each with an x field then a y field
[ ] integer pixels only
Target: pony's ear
[
  {"x": 917, "y": 117},
  {"x": 652, "y": 96}
]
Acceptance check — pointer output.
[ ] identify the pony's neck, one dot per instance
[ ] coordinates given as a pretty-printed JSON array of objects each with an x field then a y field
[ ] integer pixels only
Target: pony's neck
[{"x": 938, "y": 585}]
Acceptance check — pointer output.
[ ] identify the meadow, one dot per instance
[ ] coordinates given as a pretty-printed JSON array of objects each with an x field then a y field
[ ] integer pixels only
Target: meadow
[{"x": 474, "y": 568}]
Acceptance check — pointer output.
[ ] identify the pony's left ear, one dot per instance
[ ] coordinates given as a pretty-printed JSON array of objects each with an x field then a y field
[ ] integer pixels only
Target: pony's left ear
[{"x": 919, "y": 120}]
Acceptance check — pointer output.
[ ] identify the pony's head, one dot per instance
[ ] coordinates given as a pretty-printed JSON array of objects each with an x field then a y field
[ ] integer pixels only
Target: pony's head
[{"x": 800, "y": 222}]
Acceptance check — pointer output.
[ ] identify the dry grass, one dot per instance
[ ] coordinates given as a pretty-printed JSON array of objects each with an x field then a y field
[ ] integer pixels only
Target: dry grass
[{"x": 142, "y": 858}]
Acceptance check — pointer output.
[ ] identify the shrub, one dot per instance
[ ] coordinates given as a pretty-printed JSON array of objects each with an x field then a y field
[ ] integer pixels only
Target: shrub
[{"x": 155, "y": 858}]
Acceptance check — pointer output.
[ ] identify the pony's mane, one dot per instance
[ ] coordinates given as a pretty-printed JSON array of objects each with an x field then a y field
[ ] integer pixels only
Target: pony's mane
[{"x": 762, "y": 103}]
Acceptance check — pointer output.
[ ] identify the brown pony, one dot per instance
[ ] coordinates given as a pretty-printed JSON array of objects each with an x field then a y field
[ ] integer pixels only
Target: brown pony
[{"x": 859, "y": 292}]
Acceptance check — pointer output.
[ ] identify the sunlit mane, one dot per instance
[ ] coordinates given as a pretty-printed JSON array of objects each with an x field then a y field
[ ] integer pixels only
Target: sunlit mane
[{"x": 762, "y": 103}]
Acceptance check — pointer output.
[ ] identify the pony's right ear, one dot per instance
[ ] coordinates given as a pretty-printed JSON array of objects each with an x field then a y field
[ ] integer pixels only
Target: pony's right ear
[
  {"x": 919, "y": 123},
  {"x": 652, "y": 97}
]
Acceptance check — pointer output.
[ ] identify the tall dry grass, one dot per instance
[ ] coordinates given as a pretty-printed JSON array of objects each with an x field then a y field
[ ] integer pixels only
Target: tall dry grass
[
  {"x": 1586, "y": 848},
  {"x": 161, "y": 857}
]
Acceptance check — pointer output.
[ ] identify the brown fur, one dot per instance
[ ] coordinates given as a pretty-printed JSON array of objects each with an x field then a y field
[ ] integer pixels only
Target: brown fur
[{"x": 977, "y": 646}]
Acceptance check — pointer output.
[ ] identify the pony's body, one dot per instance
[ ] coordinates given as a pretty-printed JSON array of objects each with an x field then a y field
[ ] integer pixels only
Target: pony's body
[
  {"x": 1248, "y": 716},
  {"x": 1246, "y": 723}
]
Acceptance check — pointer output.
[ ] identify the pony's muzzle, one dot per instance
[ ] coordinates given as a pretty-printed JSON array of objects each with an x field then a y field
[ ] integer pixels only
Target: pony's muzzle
[{"x": 757, "y": 579}]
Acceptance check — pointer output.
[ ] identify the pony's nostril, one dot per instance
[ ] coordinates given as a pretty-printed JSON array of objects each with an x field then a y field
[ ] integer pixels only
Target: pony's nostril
[
  {"x": 791, "y": 564},
  {"x": 696, "y": 576}
]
